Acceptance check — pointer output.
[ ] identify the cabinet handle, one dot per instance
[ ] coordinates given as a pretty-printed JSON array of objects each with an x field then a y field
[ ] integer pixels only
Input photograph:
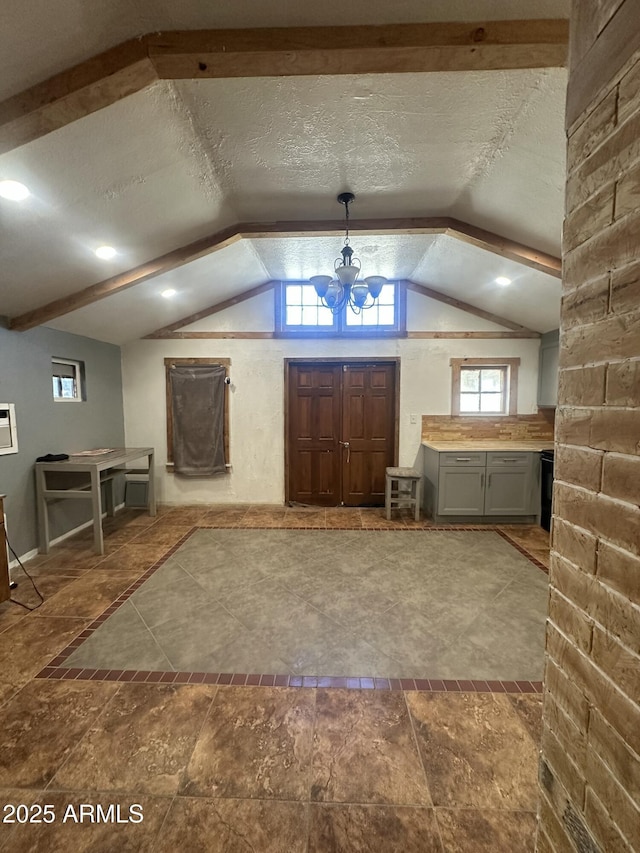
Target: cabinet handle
[
  {"x": 509, "y": 460},
  {"x": 463, "y": 459},
  {"x": 489, "y": 482},
  {"x": 482, "y": 481}
]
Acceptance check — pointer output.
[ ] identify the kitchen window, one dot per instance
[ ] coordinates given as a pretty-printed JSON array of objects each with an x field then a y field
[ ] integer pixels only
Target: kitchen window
[{"x": 484, "y": 386}]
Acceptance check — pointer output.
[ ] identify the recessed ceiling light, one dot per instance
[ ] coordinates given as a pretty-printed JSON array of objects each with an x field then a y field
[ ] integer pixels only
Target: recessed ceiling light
[
  {"x": 13, "y": 190},
  {"x": 105, "y": 253},
  {"x": 168, "y": 293},
  {"x": 502, "y": 279}
]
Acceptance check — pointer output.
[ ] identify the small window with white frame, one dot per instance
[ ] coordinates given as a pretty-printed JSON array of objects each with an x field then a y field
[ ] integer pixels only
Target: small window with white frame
[
  {"x": 67, "y": 380},
  {"x": 484, "y": 387}
]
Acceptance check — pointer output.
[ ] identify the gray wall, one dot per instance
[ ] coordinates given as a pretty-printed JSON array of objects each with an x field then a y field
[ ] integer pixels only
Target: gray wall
[{"x": 45, "y": 426}]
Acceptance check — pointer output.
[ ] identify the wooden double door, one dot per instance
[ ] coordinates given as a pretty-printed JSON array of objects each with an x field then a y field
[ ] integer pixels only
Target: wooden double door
[{"x": 341, "y": 431}]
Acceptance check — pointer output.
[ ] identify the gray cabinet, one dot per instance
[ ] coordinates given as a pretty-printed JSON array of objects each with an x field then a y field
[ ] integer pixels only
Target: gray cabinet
[
  {"x": 548, "y": 369},
  {"x": 461, "y": 491},
  {"x": 481, "y": 485},
  {"x": 509, "y": 483}
]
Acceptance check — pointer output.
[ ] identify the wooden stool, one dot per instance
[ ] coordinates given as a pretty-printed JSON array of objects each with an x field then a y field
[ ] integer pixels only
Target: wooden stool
[{"x": 408, "y": 489}]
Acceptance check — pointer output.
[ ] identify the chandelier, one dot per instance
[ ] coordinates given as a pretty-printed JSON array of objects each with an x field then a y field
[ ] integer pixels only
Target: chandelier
[{"x": 344, "y": 288}]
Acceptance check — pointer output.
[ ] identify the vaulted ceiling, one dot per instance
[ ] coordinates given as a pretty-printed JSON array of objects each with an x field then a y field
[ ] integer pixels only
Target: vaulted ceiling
[{"x": 212, "y": 162}]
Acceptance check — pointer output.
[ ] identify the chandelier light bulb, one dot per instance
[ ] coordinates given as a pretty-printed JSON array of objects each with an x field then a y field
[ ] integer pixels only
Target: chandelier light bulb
[{"x": 346, "y": 289}]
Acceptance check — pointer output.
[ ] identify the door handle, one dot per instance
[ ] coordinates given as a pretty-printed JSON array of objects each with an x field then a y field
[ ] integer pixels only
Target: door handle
[{"x": 348, "y": 446}]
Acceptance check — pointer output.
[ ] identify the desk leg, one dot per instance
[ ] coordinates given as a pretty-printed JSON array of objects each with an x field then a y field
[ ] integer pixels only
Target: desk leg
[
  {"x": 43, "y": 512},
  {"x": 96, "y": 503},
  {"x": 151, "y": 493}
]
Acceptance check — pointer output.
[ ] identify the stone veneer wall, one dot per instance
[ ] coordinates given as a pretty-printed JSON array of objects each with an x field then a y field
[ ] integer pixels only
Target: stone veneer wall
[
  {"x": 590, "y": 766},
  {"x": 510, "y": 428}
]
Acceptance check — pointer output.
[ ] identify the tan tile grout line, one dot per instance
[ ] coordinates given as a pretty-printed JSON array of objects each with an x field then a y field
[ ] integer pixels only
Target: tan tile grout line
[{"x": 55, "y": 669}]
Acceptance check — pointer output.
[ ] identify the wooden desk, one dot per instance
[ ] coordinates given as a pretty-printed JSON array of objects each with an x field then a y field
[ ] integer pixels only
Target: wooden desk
[
  {"x": 96, "y": 469},
  {"x": 5, "y": 594}
]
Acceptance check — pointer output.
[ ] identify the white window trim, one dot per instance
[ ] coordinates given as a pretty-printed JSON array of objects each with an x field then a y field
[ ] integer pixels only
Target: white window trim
[
  {"x": 78, "y": 397},
  {"x": 511, "y": 401}
]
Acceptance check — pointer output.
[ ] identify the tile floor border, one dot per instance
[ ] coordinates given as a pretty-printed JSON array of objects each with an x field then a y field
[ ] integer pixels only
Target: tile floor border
[
  {"x": 55, "y": 669},
  {"x": 420, "y": 685},
  {"x": 521, "y": 549}
]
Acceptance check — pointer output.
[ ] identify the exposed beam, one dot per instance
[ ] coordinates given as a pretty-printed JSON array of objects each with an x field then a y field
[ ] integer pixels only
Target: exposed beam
[
  {"x": 391, "y": 49},
  {"x": 213, "y": 336},
  {"x": 252, "y": 336},
  {"x": 124, "y": 280},
  {"x": 74, "y": 93},
  {"x": 470, "y": 309},
  {"x": 387, "y": 49},
  {"x": 166, "y": 331},
  {"x": 257, "y": 230},
  {"x": 471, "y": 335},
  {"x": 518, "y": 252}
]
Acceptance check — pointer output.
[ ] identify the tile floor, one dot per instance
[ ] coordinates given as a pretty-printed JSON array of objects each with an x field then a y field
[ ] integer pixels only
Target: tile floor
[
  {"x": 387, "y": 604},
  {"x": 225, "y": 768}
]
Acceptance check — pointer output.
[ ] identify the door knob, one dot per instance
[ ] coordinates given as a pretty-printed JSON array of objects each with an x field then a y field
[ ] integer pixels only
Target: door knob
[{"x": 344, "y": 443}]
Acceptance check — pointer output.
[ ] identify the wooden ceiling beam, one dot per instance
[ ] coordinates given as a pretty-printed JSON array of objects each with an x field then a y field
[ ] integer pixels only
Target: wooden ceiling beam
[
  {"x": 471, "y": 309},
  {"x": 258, "y": 230},
  {"x": 285, "y": 51},
  {"x": 510, "y": 249},
  {"x": 124, "y": 280},
  {"x": 168, "y": 331},
  {"x": 74, "y": 93},
  {"x": 387, "y": 49}
]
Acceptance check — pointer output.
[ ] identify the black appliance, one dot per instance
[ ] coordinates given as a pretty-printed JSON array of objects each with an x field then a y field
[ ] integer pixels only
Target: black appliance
[{"x": 546, "y": 488}]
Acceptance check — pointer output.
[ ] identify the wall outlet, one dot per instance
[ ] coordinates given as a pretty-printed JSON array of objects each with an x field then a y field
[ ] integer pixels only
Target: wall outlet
[{"x": 414, "y": 419}]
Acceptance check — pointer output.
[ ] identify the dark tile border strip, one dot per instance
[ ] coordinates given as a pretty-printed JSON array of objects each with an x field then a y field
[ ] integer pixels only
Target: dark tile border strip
[
  {"x": 56, "y": 670},
  {"x": 522, "y": 550},
  {"x": 422, "y": 685}
]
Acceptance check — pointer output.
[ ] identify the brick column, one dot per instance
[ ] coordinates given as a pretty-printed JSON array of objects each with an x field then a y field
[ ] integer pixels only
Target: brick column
[{"x": 590, "y": 765}]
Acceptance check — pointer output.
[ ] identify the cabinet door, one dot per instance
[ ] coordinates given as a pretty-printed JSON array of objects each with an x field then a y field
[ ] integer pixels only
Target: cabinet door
[
  {"x": 461, "y": 491},
  {"x": 508, "y": 491}
]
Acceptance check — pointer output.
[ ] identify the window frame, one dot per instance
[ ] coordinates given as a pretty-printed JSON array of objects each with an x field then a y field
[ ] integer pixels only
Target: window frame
[
  {"x": 79, "y": 379},
  {"x": 186, "y": 362},
  {"x": 511, "y": 401},
  {"x": 339, "y": 329}
]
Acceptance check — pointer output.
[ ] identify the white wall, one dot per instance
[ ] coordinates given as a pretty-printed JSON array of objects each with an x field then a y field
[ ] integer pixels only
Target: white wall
[{"x": 257, "y": 390}]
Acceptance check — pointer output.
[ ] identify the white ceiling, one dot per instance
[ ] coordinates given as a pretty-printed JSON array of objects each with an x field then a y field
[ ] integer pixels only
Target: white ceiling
[{"x": 181, "y": 160}]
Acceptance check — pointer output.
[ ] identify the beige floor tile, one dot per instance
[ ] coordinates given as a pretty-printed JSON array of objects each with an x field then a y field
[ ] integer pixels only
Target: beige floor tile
[
  {"x": 528, "y": 707},
  {"x": 68, "y": 833},
  {"x": 141, "y": 743},
  {"x": 475, "y": 750},
  {"x": 42, "y": 725},
  {"x": 364, "y": 829},
  {"x": 33, "y": 642},
  {"x": 88, "y": 596},
  {"x": 476, "y": 831},
  {"x": 256, "y": 742},
  {"x": 234, "y": 826},
  {"x": 132, "y": 558},
  {"x": 364, "y": 750}
]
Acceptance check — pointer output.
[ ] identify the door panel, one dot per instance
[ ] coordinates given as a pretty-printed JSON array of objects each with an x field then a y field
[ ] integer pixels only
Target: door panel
[
  {"x": 334, "y": 403},
  {"x": 368, "y": 424},
  {"x": 314, "y": 433}
]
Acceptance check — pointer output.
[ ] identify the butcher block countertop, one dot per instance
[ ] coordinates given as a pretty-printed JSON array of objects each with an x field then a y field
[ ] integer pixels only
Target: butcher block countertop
[{"x": 488, "y": 444}]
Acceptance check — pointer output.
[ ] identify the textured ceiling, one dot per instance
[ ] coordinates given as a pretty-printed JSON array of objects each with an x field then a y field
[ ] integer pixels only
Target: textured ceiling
[{"x": 181, "y": 160}]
